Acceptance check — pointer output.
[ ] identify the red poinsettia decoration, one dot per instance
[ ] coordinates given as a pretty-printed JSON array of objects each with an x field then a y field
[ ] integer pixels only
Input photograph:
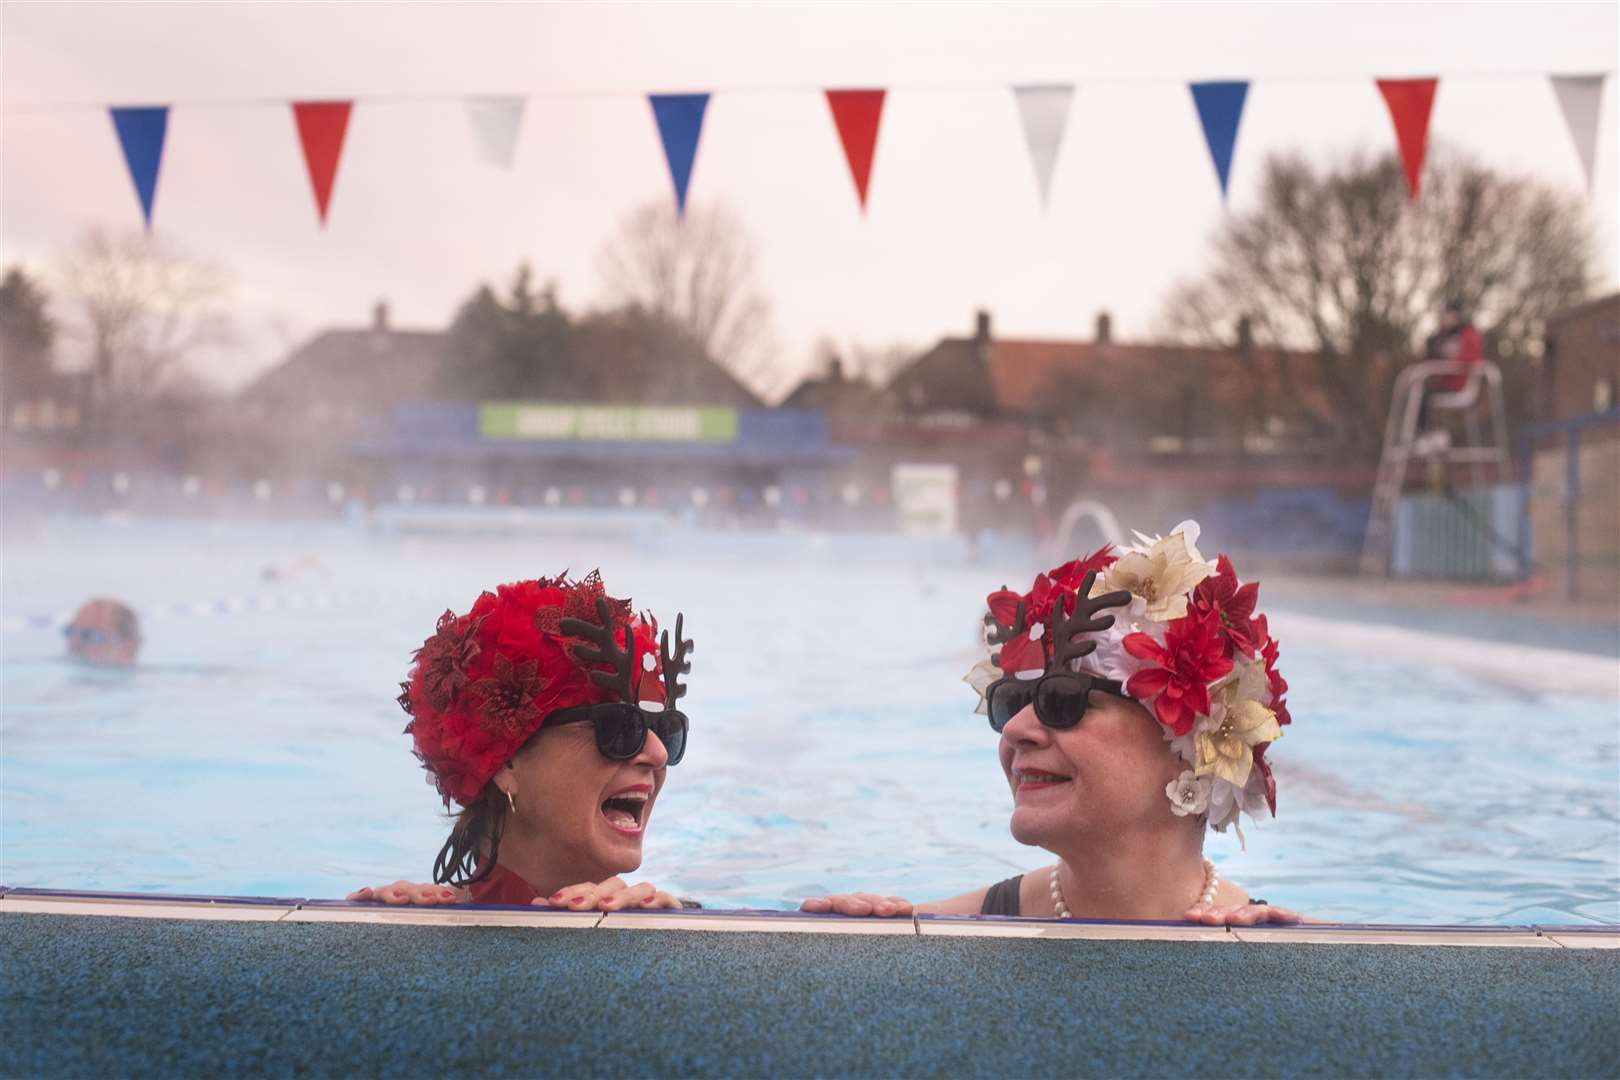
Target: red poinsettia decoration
[
  {"x": 444, "y": 657},
  {"x": 1231, "y": 603},
  {"x": 1003, "y": 604},
  {"x": 509, "y": 694},
  {"x": 1193, "y": 656},
  {"x": 1071, "y": 573},
  {"x": 1279, "y": 685}
]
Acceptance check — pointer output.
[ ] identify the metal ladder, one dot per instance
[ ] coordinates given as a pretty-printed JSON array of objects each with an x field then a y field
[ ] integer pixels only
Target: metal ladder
[{"x": 1400, "y": 433}]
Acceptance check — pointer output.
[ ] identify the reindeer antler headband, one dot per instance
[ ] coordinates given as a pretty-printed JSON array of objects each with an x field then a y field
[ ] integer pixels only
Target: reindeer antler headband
[
  {"x": 1062, "y": 646},
  {"x": 602, "y": 647}
]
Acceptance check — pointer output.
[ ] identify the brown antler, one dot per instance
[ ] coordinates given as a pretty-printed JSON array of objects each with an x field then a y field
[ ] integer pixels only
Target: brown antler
[
  {"x": 621, "y": 680},
  {"x": 1082, "y": 620},
  {"x": 675, "y": 665}
]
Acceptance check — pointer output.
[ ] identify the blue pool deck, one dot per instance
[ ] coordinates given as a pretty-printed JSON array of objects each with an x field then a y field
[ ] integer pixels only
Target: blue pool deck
[{"x": 111, "y": 984}]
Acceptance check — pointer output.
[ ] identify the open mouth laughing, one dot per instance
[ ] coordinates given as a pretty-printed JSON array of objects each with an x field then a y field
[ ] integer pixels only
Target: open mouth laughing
[{"x": 626, "y": 810}]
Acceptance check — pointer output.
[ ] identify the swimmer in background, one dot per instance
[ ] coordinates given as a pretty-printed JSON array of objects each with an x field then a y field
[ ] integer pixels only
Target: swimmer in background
[
  {"x": 1134, "y": 698},
  {"x": 548, "y": 712},
  {"x": 104, "y": 632}
]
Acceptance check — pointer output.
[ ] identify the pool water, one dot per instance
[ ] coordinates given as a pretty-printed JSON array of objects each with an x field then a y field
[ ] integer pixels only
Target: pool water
[{"x": 258, "y": 747}]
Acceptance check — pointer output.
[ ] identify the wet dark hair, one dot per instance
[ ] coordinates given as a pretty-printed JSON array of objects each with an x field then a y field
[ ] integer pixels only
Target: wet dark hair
[{"x": 474, "y": 844}]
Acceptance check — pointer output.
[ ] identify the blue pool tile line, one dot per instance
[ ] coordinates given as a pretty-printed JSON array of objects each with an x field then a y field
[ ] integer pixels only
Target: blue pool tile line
[
  {"x": 163, "y": 898},
  {"x": 763, "y": 914}
]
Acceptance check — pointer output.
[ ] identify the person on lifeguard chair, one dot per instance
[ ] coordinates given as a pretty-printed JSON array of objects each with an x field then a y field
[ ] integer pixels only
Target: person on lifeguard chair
[{"x": 1457, "y": 340}]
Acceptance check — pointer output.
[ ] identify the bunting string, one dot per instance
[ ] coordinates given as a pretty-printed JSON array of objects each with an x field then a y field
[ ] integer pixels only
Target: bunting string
[{"x": 494, "y": 122}]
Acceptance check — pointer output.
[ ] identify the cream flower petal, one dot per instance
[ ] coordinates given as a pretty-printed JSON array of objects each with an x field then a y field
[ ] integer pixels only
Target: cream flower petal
[
  {"x": 980, "y": 676},
  {"x": 1224, "y": 759},
  {"x": 1188, "y": 793},
  {"x": 1253, "y": 723}
]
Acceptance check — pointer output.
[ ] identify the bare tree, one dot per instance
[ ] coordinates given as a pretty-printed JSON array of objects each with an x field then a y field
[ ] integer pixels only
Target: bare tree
[
  {"x": 1342, "y": 265},
  {"x": 700, "y": 272},
  {"x": 144, "y": 311}
]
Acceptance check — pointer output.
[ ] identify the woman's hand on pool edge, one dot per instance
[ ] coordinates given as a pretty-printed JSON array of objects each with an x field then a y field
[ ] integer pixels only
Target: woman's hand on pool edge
[
  {"x": 410, "y": 893},
  {"x": 610, "y": 895},
  {"x": 1242, "y": 915},
  {"x": 858, "y": 904}
]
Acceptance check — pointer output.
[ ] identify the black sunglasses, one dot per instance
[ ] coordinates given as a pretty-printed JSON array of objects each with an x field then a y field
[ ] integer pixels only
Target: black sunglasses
[
  {"x": 1060, "y": 697},
  {"x": 621, "y": 728}
]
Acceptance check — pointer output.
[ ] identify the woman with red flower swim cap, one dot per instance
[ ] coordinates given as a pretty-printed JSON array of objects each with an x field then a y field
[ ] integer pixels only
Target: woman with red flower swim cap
[
  {"x": 548, "y": 712},
  {"x": 1135, "y": 696}
]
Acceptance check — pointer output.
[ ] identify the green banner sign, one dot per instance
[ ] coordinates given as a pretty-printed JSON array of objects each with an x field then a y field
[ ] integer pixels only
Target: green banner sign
[{"x": 607, "y": 423}]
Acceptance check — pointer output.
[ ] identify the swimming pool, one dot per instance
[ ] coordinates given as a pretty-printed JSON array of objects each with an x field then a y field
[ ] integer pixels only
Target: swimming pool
[{"x": 258, "y": 750}]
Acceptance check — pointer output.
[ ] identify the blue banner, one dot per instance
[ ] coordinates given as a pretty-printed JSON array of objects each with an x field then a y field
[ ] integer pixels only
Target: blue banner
[
  {"x": 1220, "y": 107},
  {"x": 680, "y": 122},
  {"x": 140, "y": 132}
]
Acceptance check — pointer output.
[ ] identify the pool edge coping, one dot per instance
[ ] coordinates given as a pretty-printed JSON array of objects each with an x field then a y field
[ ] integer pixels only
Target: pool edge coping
[{"x": 87, "y": 903}]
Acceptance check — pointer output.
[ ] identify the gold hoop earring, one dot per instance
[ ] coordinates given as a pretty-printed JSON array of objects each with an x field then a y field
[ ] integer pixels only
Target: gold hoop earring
[{"x": 511, "y": 803}]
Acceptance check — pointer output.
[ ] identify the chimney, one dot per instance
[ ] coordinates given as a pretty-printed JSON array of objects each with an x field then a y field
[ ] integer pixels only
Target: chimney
[
  {"x": 1105, "y": 328},
  {"x": 379, "y": 317},
  {"x": 1245, "y": 334},
  {"x": 981, "y": 327}
]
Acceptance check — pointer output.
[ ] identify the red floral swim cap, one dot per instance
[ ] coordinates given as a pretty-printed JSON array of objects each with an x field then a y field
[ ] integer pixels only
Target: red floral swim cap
[{"x": 486, "y": 681}]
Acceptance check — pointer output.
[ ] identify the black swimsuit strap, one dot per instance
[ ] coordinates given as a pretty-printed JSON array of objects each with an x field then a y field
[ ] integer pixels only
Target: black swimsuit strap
[{"x": 1002, "y": 897}]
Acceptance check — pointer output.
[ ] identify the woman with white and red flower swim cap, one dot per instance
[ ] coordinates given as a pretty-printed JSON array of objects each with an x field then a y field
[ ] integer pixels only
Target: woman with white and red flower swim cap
[
  {"x": 548, "y": 712},
  {"x": 1135, "y": 696}
]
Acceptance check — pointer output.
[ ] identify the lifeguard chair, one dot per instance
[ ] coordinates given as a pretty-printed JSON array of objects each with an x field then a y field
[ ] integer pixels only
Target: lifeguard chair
[{"x": 1485, "y": 446}]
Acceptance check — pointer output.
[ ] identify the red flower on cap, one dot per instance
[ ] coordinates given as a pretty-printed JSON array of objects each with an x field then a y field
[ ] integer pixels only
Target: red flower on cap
[
  {"x": 1071, "y": 573},
  {"x": 1232, "y": 604},
  {"x": 1279, "y": 685},
  {"x": 1064, "y": 581},
  {"x": 486, "y": 681},
  {"x": 1193, "y": 656}
]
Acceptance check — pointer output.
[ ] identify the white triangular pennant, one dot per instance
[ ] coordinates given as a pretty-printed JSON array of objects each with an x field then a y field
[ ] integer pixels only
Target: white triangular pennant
[
  {"x": 1045, "y": 111},
  {"x": 1581, "y": 98},
  {"x": 494, "y": 122}
]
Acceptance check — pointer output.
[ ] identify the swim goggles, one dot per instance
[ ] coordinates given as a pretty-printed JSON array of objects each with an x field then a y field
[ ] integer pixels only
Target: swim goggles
[
  {"x": 89, "y": 635},
  {"x": 621, "y": 728},
  {"x": 1060, "y": 697}
]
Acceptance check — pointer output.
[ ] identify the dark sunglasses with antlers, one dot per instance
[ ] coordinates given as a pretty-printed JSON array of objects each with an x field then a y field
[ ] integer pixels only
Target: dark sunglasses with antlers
[
  {"x": 622, "y": 726},
  {"x": 1060, "y": 695}
]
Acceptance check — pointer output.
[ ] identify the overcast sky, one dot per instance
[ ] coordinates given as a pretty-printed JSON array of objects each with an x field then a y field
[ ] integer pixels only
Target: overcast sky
[{"x": 953, "y": 223}]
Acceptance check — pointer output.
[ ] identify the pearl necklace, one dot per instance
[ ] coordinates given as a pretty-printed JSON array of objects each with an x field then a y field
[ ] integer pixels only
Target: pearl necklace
[{"x": 1212, "y": 881}]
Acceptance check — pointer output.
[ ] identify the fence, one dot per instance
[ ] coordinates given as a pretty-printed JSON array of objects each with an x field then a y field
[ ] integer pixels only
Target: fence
[{"x": 1586, "y": 534}]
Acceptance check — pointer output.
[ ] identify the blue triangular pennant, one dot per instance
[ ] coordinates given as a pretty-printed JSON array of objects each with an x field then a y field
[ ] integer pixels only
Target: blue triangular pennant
[
  {"x": 680, "y": 122},
  {"x": 1220, "y": 107},
  {"x": 140, "y": 132}
]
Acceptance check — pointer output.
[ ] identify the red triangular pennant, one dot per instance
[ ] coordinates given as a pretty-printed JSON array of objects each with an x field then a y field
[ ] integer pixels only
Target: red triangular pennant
[
  {"x": 1410, "y": 101},
  {"x": 857, "y": 112},
  {"x": 321, "y": 126}
]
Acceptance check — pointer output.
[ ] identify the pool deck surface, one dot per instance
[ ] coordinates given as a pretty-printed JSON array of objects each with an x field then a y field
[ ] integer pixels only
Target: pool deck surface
[{"x": 102, "y": 984}]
